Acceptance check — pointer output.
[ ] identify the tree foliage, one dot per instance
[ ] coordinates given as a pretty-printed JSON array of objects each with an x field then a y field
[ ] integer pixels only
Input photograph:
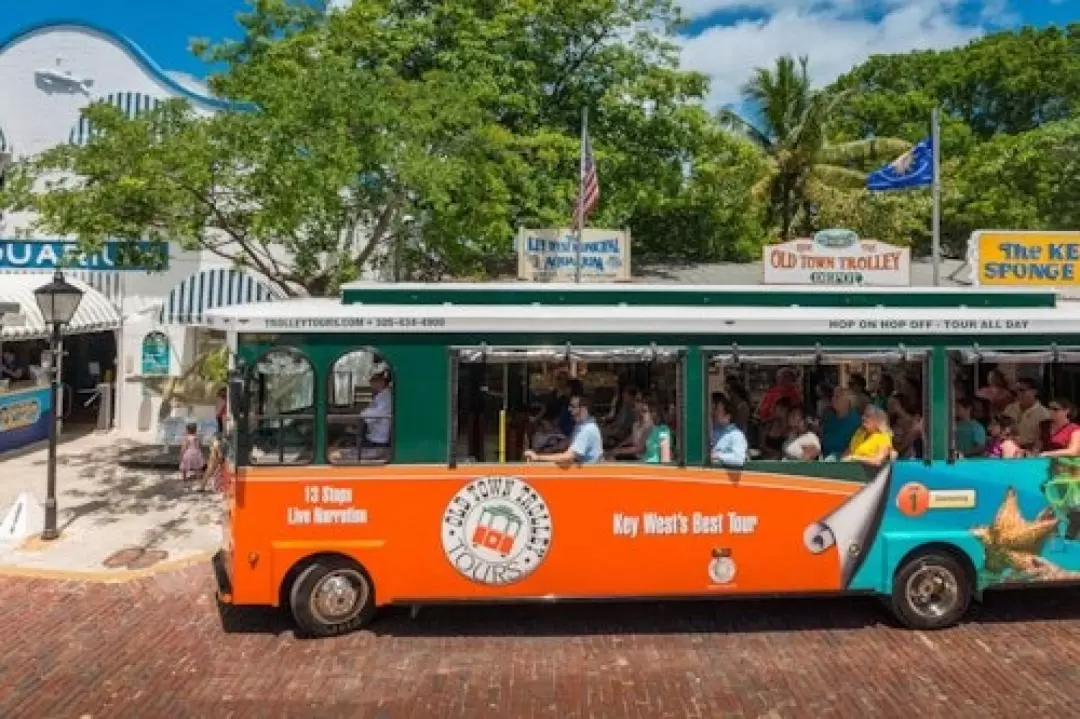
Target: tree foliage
[
  {"x": 424, "y": 134},
  {"x": 794, "y": 135},
  {"x": 1008, "y": 82},
  {"x": 1009, "y": 104},
  {"x": 413, "y": 129},
  {"x": 1030, "y": 180}
]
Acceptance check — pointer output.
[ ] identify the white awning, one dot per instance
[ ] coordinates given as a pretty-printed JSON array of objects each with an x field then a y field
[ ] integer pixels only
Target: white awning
[
  {"x": 212, "y": 288},
  {"x": 95, "y": 312},
  {"x": 108, "y": 282}
]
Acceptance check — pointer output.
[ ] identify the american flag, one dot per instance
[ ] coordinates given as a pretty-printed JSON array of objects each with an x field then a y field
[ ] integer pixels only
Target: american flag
[{"x": 590, "y": 185}]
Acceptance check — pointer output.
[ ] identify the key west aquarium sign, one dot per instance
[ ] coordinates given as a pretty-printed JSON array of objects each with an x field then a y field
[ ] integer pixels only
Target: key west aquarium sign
[
  {"x": 1020, "y": 258},
  {"x": 837, "y": 258},
  {"x": 551, "y": 255},
  {"x": 49, "y": 254}
]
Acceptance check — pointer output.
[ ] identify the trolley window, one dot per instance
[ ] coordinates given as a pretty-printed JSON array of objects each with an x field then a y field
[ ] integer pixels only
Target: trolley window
[
  {"x": 282, "y": 419},
  {"x": 359, "y": 418},
  {"x": 512, "y": 399}
]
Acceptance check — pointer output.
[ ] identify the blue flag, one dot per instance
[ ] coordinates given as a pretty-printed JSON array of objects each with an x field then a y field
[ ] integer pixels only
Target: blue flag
[{"x": 915, "y": 168}]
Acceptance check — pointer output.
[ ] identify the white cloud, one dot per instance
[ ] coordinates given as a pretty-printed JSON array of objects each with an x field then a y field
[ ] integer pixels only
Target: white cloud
[{"x": 835, "y": 34}]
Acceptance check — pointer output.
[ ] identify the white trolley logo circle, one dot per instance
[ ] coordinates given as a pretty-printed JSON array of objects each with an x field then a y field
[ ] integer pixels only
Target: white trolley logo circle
[{"x": 496, "y": 530}]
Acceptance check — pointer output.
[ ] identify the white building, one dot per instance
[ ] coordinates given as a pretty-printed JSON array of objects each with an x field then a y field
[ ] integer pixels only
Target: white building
[{"x": 48, "y": 73}]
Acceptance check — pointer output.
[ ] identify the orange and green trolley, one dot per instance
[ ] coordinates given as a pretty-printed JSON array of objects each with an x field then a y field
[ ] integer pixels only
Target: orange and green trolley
[{"x": 378, "y": 443}]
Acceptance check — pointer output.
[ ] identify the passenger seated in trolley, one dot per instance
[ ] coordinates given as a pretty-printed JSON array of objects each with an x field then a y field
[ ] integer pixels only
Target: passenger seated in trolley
[
  {"x": 729, "y": 443},
  {"x": 1064, "y": 439},
  {"x": 872, "y": 442},
  {"x": 586, "y": 444}
]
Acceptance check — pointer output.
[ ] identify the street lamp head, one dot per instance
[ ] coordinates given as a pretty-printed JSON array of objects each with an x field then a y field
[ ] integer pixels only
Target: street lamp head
[{"x": 58, "y": 300}]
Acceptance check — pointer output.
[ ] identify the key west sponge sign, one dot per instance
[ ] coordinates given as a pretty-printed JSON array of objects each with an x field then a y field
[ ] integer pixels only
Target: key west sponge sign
[{"x": 1024, "y": 258}]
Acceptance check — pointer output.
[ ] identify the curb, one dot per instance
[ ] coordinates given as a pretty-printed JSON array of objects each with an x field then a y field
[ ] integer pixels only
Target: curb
[{"x": 111, "y": 576}]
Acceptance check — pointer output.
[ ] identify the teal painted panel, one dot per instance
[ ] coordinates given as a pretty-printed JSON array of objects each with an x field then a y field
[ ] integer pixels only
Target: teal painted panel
[{"x": 712, "y": 298}]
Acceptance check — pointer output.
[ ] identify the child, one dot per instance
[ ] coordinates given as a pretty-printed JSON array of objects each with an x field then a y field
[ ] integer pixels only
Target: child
[
  {"x": 1002, "y": 442},
  {"x": 213, "y": 466},
  {"x": 191, "y": 456}
]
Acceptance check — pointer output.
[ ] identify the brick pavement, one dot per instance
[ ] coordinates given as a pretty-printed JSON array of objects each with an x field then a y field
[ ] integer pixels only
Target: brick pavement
[{"x": 159, "y": 646}]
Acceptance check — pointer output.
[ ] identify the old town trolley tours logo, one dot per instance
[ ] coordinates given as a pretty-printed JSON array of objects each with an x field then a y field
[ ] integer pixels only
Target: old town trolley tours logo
[{"x": 496, "y": 530}]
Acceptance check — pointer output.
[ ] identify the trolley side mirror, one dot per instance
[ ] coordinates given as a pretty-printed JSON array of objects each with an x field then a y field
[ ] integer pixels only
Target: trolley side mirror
[{"x": 237, "y": 395}]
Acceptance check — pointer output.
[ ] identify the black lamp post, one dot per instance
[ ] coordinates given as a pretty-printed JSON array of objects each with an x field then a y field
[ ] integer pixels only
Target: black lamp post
[{"x": 57, "y": 301}]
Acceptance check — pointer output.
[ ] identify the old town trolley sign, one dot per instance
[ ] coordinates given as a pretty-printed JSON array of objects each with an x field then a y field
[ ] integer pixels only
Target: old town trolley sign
[{"x": 496, "y": 530}]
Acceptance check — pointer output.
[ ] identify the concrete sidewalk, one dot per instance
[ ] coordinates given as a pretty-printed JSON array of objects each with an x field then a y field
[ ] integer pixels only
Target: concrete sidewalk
[{"x": 116, "y": 522}]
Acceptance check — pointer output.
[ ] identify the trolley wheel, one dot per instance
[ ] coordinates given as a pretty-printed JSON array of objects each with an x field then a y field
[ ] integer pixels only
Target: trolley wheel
[
  {"x": 332, "y": 596},
  {"x": 931, "y": 591}
]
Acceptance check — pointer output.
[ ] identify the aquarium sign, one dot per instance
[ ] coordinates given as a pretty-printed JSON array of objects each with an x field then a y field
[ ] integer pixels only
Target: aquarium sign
[
  {"x": 552, "y": 255},
  {"x": 837, "y": 258},
  {"x": 65, "y": 254}
]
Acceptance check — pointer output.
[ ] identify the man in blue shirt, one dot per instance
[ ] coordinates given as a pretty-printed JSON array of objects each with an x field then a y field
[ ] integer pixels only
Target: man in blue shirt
[
  {"x": 839, "y": 423},
  {"x": 586, "y": 444},
  {"x": 729, "y": 443}
]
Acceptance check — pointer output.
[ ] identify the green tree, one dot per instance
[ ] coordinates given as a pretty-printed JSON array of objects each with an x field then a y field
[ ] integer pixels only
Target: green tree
[
  {"x": 1026, "y": 181},
  {"x": 403, "y": 128},
  {"x": 1007, "y": 101},
  {"x": 793, "y": 133},
  {"x": 704, "y": 210},
  {"x": 1007, "y": 82}
]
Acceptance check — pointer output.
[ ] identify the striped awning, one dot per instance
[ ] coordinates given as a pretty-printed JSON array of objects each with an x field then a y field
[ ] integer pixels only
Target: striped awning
[
  {"x": 212, "y": 288},
  {"x": 94, "y": 314},
  {"x": 108, "y": 282},
  {"x": 132, "y": 104}
]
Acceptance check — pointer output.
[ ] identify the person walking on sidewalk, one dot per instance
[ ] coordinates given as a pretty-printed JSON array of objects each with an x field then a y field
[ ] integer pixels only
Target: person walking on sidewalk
[
  {"x": 191, "y": 456},
  {"x": 213, "y": 475}
]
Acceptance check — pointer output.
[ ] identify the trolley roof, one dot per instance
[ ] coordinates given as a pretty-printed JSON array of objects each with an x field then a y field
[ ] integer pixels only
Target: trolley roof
[
  {"x": 325, "y": 315},
  {"x": 521, "y": 293}
]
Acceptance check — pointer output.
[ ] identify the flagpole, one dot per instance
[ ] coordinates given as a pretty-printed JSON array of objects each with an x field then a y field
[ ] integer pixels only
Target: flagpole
[
  {"x": 581, "y": 197},
  {"x": 935, "y": 247}
]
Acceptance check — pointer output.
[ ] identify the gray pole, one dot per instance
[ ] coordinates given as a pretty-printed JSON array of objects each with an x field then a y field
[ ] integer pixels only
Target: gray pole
[
  {"x": 935, "y": 249},
  {"x": 50, "y": 531},
  {"x": 581, "y": 197}
]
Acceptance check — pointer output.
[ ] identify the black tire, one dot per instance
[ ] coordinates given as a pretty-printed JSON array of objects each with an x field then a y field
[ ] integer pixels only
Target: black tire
[
  {"x": 931, "y": 591},
  {"x": 318, "y": 615}
]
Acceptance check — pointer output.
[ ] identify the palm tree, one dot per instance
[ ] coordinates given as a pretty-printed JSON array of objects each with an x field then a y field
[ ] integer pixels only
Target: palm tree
[{"x": 793, "y": 134}]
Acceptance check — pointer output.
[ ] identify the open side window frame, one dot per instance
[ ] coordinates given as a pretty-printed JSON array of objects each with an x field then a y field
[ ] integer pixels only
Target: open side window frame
[
  {"x": 819, "y": 355},
  {"x": 528, "y": 354},
  {"x": 974, "y": 355}
]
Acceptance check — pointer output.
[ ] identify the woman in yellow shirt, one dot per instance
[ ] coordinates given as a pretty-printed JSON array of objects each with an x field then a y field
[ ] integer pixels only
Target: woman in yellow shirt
[{"x": 872, "y": 442}]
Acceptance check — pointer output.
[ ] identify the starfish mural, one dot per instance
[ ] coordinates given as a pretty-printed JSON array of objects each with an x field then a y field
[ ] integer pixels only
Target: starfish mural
[{"x": 1014, "y": 544}]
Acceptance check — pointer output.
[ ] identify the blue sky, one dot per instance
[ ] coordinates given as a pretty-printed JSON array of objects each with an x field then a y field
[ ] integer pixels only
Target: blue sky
[{"x": 726, "y": 38}]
